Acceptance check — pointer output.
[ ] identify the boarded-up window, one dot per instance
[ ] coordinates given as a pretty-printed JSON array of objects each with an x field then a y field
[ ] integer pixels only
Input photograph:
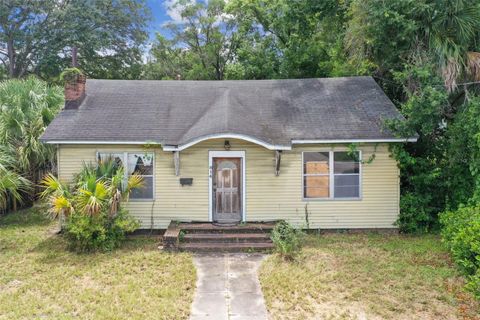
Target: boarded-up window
[
  {"x": 316, "y": 177},
  {"x": 331, "y": 175}
]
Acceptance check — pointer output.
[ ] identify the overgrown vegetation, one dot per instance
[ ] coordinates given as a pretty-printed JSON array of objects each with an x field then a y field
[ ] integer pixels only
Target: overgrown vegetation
[
  {"x": 287, "y": 240},
  {"x": 461, "y": 229},
  {"x": 70, "y": 75},
  {"x": 91, "y": 205},
  {"x": 369, "y": 276},
  {"x": 40, "y": 278},
  {"x": 26, "y": 107},
  {"x": 100, "y": 232}
]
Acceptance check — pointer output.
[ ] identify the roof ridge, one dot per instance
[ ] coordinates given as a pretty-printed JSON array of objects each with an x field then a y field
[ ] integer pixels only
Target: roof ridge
[{"x": 231, "y": 81}]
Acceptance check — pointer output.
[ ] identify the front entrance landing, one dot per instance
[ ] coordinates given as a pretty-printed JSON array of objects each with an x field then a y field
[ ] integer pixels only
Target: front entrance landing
[
  {"x": 209, "y": 237},
  {"x": 228, "y": 288}
]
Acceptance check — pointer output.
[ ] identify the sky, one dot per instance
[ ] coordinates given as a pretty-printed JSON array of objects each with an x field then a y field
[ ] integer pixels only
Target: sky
[{"x": 161, "y": 15}]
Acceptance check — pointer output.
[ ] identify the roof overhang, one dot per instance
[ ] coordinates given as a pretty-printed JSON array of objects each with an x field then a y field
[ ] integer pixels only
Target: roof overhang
[
  {"x": 327, "y": 141},
  {"x": 100, "y": 142},
  {"x": 257, "y": 141},
  {"x": 227, "y": 136}
]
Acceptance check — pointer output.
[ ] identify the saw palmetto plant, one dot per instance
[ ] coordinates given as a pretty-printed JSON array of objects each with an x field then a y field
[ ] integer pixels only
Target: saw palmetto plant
[
  {"x": 97, "y": 188},
  {"x": 26, "y": 107}
]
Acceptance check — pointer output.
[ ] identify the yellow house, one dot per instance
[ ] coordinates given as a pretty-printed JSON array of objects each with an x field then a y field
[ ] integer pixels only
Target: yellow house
[{"x": 314, "y": 152}]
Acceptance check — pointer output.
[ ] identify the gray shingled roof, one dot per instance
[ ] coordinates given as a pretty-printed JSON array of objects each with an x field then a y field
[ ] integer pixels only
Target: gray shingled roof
[{"x": 273, "y": 111}]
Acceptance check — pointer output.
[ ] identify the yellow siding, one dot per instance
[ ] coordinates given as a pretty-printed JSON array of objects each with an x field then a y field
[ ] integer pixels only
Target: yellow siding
[{"x": 267, "y": 196}]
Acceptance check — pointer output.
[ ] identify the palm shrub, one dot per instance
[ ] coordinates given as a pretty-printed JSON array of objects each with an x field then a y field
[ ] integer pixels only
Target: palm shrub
[
  {"x": 89, "y": 209},
  {"x": 12, "y": 184},
  {"x": 26, "y": 108},
  {"x": 287, "y": 239}
]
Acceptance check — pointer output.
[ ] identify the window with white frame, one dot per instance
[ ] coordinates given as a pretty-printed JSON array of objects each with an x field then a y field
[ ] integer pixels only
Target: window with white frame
[
  {"x": 140, "y": 163},
  {"x": 331, "y": 175}
]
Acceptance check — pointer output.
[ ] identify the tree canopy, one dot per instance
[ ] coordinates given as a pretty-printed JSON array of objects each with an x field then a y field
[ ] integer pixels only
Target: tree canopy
[
  {"x": 201, "y": 46},
  {"x": 37, "y": 36}
]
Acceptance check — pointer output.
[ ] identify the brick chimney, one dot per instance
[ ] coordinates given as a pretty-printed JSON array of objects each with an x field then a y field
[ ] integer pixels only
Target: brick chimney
[
  {"x": 75, "y": 91},
  {"x": 74, "y": 86}
]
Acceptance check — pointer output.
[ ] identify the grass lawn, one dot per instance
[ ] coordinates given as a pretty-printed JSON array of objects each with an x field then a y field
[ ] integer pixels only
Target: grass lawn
[
  {"x": 341, "y": 276},
  {"x": 39, "y": 278}
]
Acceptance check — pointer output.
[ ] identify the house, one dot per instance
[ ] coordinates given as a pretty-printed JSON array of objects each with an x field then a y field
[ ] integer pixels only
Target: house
[{"x": 231, "y": 151}]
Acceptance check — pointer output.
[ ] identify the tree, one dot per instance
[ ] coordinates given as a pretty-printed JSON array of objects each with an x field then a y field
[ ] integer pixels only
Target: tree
[
  {"x": 387, "y": 33},
  {"x": 451, "y": 35},
  {"x": 417, "y": 46},
  {"x": 27, "y": 106},
  {"x": 201, "y": 46},
  {"x": 291, "y": 39},
  {"x": 37, "y": 36},
  {"x": 170, "y": 61}
]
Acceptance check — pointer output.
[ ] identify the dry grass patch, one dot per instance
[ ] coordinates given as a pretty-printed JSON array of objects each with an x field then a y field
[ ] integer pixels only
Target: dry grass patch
[
  {"x": 39, "y": 278},
  {"x": 367, "y": 277}
]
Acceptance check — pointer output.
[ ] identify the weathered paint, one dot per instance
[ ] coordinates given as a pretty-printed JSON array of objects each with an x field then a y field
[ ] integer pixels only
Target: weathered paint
[{"x": 268, "y": 196}]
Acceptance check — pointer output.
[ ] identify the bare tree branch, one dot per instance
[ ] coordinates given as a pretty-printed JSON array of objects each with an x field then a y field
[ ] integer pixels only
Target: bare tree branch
[{"x": 4, "y": 62}]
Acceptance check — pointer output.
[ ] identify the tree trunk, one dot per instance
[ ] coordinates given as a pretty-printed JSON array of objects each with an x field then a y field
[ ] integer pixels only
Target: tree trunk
[
  {"x": 61, "y": 222},
  {"x": 11, "y": 58}
]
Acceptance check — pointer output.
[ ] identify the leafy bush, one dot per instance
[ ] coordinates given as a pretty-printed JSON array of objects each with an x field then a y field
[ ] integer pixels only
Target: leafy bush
[
  {"x": 100, "y": 232},
  {"x": 474, "y": 284},
  {"x": 71, "y": 74},
  {"x": 287, "y": 240},
  {"x": 415, "y": 215},
  {"x": 461, "y": 232}
]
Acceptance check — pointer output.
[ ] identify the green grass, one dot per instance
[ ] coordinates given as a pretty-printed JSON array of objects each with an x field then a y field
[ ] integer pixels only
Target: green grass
[
  {"x": 367, "y": 277},
  {"x": 39, "y": 278}
]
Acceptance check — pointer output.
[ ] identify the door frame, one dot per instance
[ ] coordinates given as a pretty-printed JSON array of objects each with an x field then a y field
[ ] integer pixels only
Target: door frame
[{"x": 225, "y": 154}]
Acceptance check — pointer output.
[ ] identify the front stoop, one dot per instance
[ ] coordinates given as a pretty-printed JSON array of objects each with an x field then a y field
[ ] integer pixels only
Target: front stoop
[{"x": 207, "y": 237}]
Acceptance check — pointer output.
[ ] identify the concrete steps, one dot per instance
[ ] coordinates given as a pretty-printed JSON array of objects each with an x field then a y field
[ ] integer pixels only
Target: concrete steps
[
  {"x": 226, "y": 237},
  {"x": 226, "y": 247},
  {"x": 214, "y": 228},
  {"x": 208, "y": 237}
]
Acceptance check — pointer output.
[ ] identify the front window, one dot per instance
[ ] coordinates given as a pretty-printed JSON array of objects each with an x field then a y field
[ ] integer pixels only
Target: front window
[
  {"x": 346, "y": 175},
  {"x": 331, "y": 175},
  {"x": 316, "y": 177},
  {"x": 141, "y": 164}
]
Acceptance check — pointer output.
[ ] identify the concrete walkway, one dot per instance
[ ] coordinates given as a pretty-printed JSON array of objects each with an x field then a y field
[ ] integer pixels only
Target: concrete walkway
[{"x": 228, "y": 288}]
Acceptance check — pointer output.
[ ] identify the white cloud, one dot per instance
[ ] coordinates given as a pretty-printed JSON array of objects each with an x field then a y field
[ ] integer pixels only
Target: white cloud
[
  {"x": 146, "y": 56},
  {"x": 174, "y": 11}
]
